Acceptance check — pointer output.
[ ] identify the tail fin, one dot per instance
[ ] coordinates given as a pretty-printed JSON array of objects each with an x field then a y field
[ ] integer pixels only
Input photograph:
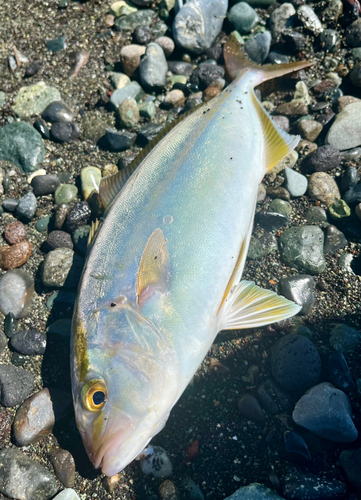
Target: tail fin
[{"x": 236, "y": 61}]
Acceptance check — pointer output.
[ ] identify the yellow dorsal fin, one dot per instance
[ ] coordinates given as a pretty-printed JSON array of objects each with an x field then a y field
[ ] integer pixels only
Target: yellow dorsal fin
[
  {"x": 154, "y": 268},
  {"x": 93, "y": 231}
]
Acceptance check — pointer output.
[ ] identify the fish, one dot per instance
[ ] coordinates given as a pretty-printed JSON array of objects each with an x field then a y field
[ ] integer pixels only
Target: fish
[{"x": 163, "y": 270}]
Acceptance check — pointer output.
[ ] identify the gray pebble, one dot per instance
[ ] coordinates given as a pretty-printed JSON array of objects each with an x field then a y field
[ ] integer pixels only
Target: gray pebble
[
  {"x": 57, "y": 239},
  {"x": 62, "y": 268},
  {"x": 57, "y": 111},
  {"x": 295, "y": 183},
  {"x": 345, "y": 132},
  {"x": 243, "y": 18},
  {"x": 323, "y": 187},
  {"x": 21, "y": 144},
  {"x": 64, "y": 132},
  {"x": 280, "y": 19},
  {"x": 45, "y": 184},
  {"x": 334, "y": 240},
  {"x": 299, "y": 289},
  {"x": 260, "y": 247},
  {"x": 324, "y": 158},
  {"x": 29, "y": 342},
  {"x": 67, "y": 494},
  {"x": 303, "y": 247},
  {"x": 3, "y": 342},
  {"x": 309, "y": 19},
  {"x": 10, "y": 204},
  {"x": 156, "y": 462},
  {"x": 316, "y": 215},
  {"x": 120, "y": 141},
  {"x": 16, "y": 292},
  {"x": 132, "y": 90},
  {"x": 64, "y": 466},
  {"x": 26, "y": 208},
  {"x": 153, "y": 67},
  {"x": 344, "y": 338},
  {"x": 16, "y": 385},
  {"x": 257, "y": 47}
]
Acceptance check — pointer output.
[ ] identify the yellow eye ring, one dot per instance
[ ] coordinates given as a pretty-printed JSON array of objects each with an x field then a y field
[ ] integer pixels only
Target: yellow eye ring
[{"x": 94, "y": 395}]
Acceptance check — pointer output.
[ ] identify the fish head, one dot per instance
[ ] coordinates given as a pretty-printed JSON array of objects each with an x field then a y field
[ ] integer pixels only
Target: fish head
[{"x": 122, "y": 384}]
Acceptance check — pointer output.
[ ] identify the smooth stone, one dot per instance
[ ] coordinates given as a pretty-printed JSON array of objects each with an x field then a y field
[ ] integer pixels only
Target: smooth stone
[
  {"x": 64, "y": 132},
  {"x": 30, "y": 177},
  {"x": 278, "y": 192},
  {"x": 198, "y": 23},
  {"x": 242, "y": 17},
  {"x": 153, "y": 67},
  {"x": 250, "y": 408},
  {"x": 174, "y": 99},
  {"x": 58, "y": 239},
  {"x": 130, "y": 22},
  {"x": 352, "y": 195},
  {"x": 345, "y": 130},
  {"x": 130, "y": 59},
  {"x": 303, "y": 247},
  {"x": 78, "y": 215},
  {"x": 326, "y": 411},
  {"x": 350, "y": 178},
  {"x": 45, "y": 184},
  {"x": 324, "y": 158},
  {"x": 339, "y": 372},
  {"x": 67, "y": 494},
  {"x": 295, "y": 445},
  {"x": 293, "y": 108},
  {"x": 120, "y": 141},
  {"x": 322, "y": 187},
  {"x": 33, "y": 100},
  {"x": 257, "y": 47},
  {"x": 22, "y": 145},
  {"x": 167, "y": 45},
  {"x": 16, "y": 292},
  {"x": 334, "y": 240},
  {"x": 15, "y": 255},
  {"x": 281, "y": 207},
  {"x": 273, "y": 398},
  {"x": 43, "y": 130},
  {"x": 90, "y": 179},
  {"x": 339, "y": 209},
  {"x": 133, "y": 90},
  {"x": 310, "y": 129},
  {"x": 56, "y": 44},
  {"x": 254, "y": 491},
  {"x": 301, "y": 486},
  {"x": 128, "y": 113},
  {"x": 26, "y": 207},
  {"x": 119, "y": 80},
  {"x": 65, "y": 194},
  {"x": 16, "y": 385},
  {"x": 29, "y": 342},
  {"x": 42, "y": 224},
  {"x": 34, "y": 418},
  {"x": 309, "y": 19},
  {"x": 299, "y": 289},
  {"x": 344, "y": 338},
  {"x": 260, "y": 247},
  {"x": 333, "y": 95},
  {"x": 64, "y": 466},
  {"x": 57, "y": 111},
  {"x": 316, "y": 215},
  {"x": 281, "y": 19},
  {"x": 147, "y": 109},
  {"x": 295, "y": 183},
  {"x": 62, "y": 268},
  {"x": 271, "y": 220},
  {"x": 180, "y": 68},
  {"x": 32, "y": 69},
  {"x": 122, "y": 8},
  {"x": 296, "y": 364},
  {"x": 10, "y": 325},
  {"x": 156, "y": 463},
  {"x": 351, "y": 464},
  {"x": 353, "y": 34},
  {"x": 10, "y": 204}
]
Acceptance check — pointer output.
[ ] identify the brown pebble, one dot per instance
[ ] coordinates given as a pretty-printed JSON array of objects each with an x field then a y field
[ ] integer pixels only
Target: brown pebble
[
  {"x": 292, "y": 109},
  {"x": 174, "y": 98},
  {"x": 109, "y": 20},
  {"x": 64, "y": 466},
  {"x": 345, "y": 100},
  {"x": 130, "y": 57},
  {"x": 77, "y": 61},
  {"x": 110, "y": 483},
  {"x": 15, "y": 255},
  {"x": 168, "y": 491},
  {"x": 322, "y": 187},
  {"x": 278, "y": 192},
  {"x": 211, "y": 91},
  {"x": 250, "y": 408},
  {"x": 323, "y": 86},
  {"x": 14, "y": 232},
  {"x": 306, "y": 147}
]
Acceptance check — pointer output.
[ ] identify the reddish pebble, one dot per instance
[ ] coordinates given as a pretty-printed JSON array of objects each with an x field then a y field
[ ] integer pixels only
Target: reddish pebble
[
  {"x": 192, "y": 451},
  {"x": 15, "y": 232},
  {"x": 15, "y": 255}
]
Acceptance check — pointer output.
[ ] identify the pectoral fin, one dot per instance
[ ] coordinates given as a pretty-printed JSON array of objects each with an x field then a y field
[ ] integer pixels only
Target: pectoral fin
[
  {"x": 154, "y": 268},
  {"x": 249, "y": 306}
]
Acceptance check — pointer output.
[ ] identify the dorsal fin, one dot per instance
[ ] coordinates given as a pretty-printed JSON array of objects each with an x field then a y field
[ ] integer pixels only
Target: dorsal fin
[
  {"x": 154, "y": 268},
  {"x": 93, "y": 231},
  {"x": 110, "y": 186}
]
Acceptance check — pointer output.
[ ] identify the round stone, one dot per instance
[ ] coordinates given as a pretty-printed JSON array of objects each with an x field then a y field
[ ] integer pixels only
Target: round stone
[
  {"x": 29, "y": 342},
  {"x": 167, "y": 45},
  {"x": 310, "y": 129},
  {"x": 344, "y": 338},
  {"x": 42, "y": 224},
  {"x": 16, "y": 292},
  {"x": 65, "y": 193},
  {"x": 14, "y": 232},
  {"x": 64, "y": 132},
  {"x": 90, "y": 179},
  {"x": 15, "y": 255},
  {"x": 26, "y": 207},
  {"x": 257, "y": 47},
  {"x": 78, "y": 216},
  {"x": 128, "y": 113},
  {"x": 281, "y": 207},
  {"x": 130, "y": 58},
  {"x": 243, "y": 18},
  {"x": 323, "y": 187},
  {"x": 345, "y": 130},
  {"x": 142, "y": 35},
  {"x": 67, "y": 494},
  {"x": 34, "y": 99},
  {"x": 295, "y": 183},
  {"x": 22, "y": 145},
  {"x": 302, "y": 247},
  {"x": 64, "y": 466},
  {"x": 250, "y": 408},
  {"x": 153, "y": 67},
  {"x": 45, "y": 184},
  {"x": 324, "y": 158},
  {"x": 58, "y": 239},
  {"x": 16, "y": 385},
  {"x": 174, "y": 99},
  {"x": 279, "y": 19},
  {"x": 57, "y": 111},
  {"x": 62, "y": 268}
]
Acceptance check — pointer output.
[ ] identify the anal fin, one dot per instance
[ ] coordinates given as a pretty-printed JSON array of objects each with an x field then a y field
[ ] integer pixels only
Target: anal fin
[{"x": 249, "y": 306}]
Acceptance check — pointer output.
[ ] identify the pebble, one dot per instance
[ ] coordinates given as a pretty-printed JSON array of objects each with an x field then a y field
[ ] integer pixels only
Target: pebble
[
  {"x": 34, "y": 99},
  {"x": 339, "y": 209},
  {"x": 65, "y": 194},
  {"x": 295, "y": 445},
  {"x": 26, "y": 208},
  {"x": 16, "y": 385},
  {"x": 133, "y": 90},
  {"x": 14, "y": 232},
  {"x": 64, "y": 466},
  {"x": 271, "y": 220},
  {"x": 278, "y": 192},
  {"x": 9, "y": 204},
  {"x": 168, "y": 491},
  {"x": 300, "y": 486},
  {"x": 153, "y": 67},
  {"x": 333, "y": 95},
  {"x": 156, "y": 463},
  {"x": 254, "y": 491},
  {"x": 324, "y": 158},
  {"x": 3, "y": 346},
  {"x": 289, "y": 161},
  {"x": 67, "y": 494},
  {"x": 122, "y": 8},
  {"x": 16, "y": 292},
  {"x": 56, "y": 44},
  {"x": 167, "y": 45},
  {"x": 22, "y": 145},
  {"x": 58, "y": 239},
  {"x": 147, "y": 109},
  {"x": 295, "y": 183},
  {"x": 345, "y": 132},
  {"x": 149, "y": 132},
  {"x": 64, "y": 132},
  {"x": 326, "y": 411},
  {"x": 350, "y": 178},
  {"x": 299, "y": 289},
  {"x": 276, "y": 58},
  {"x": 280, "y": 19},
  {"x": 42, "y": 224},
  {"x": 334, "y": 240},
  {"x": 351, "y": 463},
  {"x": 78, "y": 215},
  {"x": 353, "y": 34},
  {"x": 309, "y": 129},
  {"x": 344, "y": 338},
  {"x": 180, "y": 68},
  {"x": 345, "y": 101},
  {"x": 258, "y": 46},
  {"x": 323, "y": 187},
  {"x": 309, "y": 19},
  {"x": 120, "y": 141},
  {"x": 284, "y": 123},
  {"x": 142, "y": 35},
  {"x": 45, "y": 184},
  {"x": 281, "y": 207},
  {"x": 261, "y": 247},
  {"x": 32, "y": 69},
  {"x": 330, "y": 40},
  {"x": 292, "y": 108},
  {"x": 77, "y": 59},
  {"x": 243, "y": 18},
  {"x": 316, "y": 214},
  {"x": 205, "y": 74},
  {"x": 197, "y": 24},
  {"x": 80, "y": 239},
  {"x": 301, "y": 93},
  {"x": 57, "y": 111},
  {"x": 130, "y": 58},
  {"x": 352, "y": 195},
  {"x": 128, "y": 113},
  {"x": 296, "y": 364},
  {"x": 43, "y": 130},
  {"x": 34, "y": 418},
  {"x": 339, "y": 372},
  {"x": 250, "y": 408},
  {"x": 15, "y": 255},
  {"x": 90, "y": 179},
  {"x": 131, "y": 21},
  {"x": 303, "y": 247},
  {"x": 62, "y": 268},
  {"x": 119, "y": 80},
  {"x": 29, "y": 342},
  {"x": 174, "y": 99}
]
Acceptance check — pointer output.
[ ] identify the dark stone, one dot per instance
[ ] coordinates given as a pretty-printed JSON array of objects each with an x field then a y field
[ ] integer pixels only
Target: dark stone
[
  {"x": 278, "y": 192},
  {"x": 57, "y": 239},
  {"x": 276, "y": 58},
  {"x": 299, "y": 289},
  {"x": 296, "y": 41},
  {"x": 273, "y": 398},
  {"x": 124, "y": 161},
  {"x": 215, "y": 51},
  {"x": 78, "y": 216},
  {"x": 80, "y": 239},
  {"x": 355, "y": 75},
  {"x": 180, "y": 68},
  {"x": 56, "y": 44},
  {"x": 149, "y": 132},
  {"x": 10, "y": 325},
  {"x": 32, "y": 69},
  {"x": 120, "y": 141},
  {"x": 205, "y": 74},
  {"x": 45, "y": 184},
  {"x": 26, "y": 208},
  {"x": 324, "y": 158},
  {"x": 40, "y": 126},
  {"x": 351, "y": 463},
  {"x": 295, "y": 445},
  {"x": 64, "y": 132},
  {"x": 326, "y": 118},
  {"x": 250, "y": 408},
  {"x": 57, "y": 111},
  {"x": 349, "y": 179},
  {"x": 10, "y": 204},
  {"x": 332, "y": 95},
  {"x": 18, "y": 359},
  {"x": 351, "y": 197},
  {"x": 330, "y": 40},
  {"x": 29, "y": 342},
  {"x": 353, "y": 34},
  {"x": 142, "y": 35},
  {"x": 64, "y": 466},
  {"x": 340, "y": 374},
  {"x": 334, "y": 240},
  {"x": 296, "y": 364},
  {"x": 300, "y": 486},
  {"x": 257, "y": 47},
  {"x": 271, "y": 220},
  {"x": 15, "y": 385}
]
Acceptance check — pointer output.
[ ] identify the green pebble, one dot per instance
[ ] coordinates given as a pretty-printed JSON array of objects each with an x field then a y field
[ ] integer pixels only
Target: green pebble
[
  {"x": 339, "y": 209},
  {"x": 281, "y": 207},
  {"x": 178, "y": 79},
  {"x": 140, "y": 18},
  {"x": 21, "y": 144},
  {"x": 128, "y": 113},
  {"x": 147, "y": 109},
  {"x": 18, "y": 359},
  {"x": 65, "y": 193},
  {"x": 42, "y": 224},
  {"x": 33, "y": 99},
  {"x": 10, "y": 325},
  {"x": 50, "y": 300},
  {"x": 63, "y": 4},
  {"x": 260, "y": 247},
  {"x": 238, "y": 36},
  {"x": 90, "y": 180}
]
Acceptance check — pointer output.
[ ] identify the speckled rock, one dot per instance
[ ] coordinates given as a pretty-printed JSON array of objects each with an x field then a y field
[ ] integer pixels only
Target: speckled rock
[
  {"x": 168, "y": 491},
  {"x": 260, "y": 247},
  {"x": 344, "y": 338},
  {"x": 64, "y": 132},
  {"x": 324, "y": 158},
  {"x": 303, "y": 247},
  {"x": 326, "y": 411},
  {"x": 309, "y": 19},
  {"x": 128, "y": 113},
  {"x": 345, "y": 132},
  {"x": 15, "y": 255},
  {"x": 16, "y": 292},
  {"x": 323, "y": 187},
  {"x": 45, "y": 184},
  {"x": 67, "y": 494},
  {"x": 16, "y": 385},
  {"x": 62, "y": 268},
  {"x": 21, "y": 144},
  {"x": 64, "y": 466},
  {"x": 34, "y": 99},
  {"x": 26, "y": 207},
  {"x": 130, "y": 22},
  {"x": 254, "y": 491},
  {"x": 205, "y": 74},
  {"x": 153, "y": 67},
  {"x": 23, "y": 478},
  {"x": 34, "y": 418},
  {"x": 296, "y": 364},
  {"x": 156, "y": 462},
  {"x": 301, "y": 486},
  {"x": 14, "y": 232},
  {"x": 279, "y": 19},
  {"x": 29, "y": 342},
  {"x": 78, "y": 215},
  {"x": 310, "y": 129}
]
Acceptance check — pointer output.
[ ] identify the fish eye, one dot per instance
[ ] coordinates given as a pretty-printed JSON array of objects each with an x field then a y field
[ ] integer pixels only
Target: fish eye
[{"x": 94, "y": 395}]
